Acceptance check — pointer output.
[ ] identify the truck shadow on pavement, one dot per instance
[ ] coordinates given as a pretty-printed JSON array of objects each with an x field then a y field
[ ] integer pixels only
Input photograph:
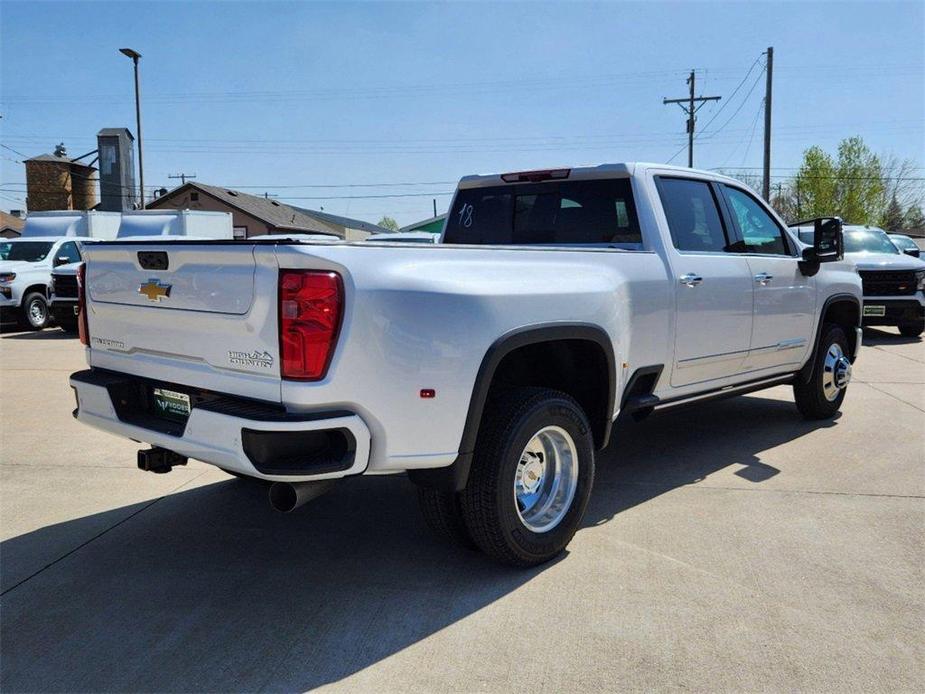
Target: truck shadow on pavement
[
  {"x": 873, "y": 338},
  {"x": 16, "y": 333},
  {"x": 207, "y": 589}
]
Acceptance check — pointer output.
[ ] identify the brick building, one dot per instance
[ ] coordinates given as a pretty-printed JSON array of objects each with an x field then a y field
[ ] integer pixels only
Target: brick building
[{"x": 55, "y": 182}]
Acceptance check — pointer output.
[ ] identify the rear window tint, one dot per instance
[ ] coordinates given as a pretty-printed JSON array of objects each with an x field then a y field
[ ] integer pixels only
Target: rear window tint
[{"x": 558, "y": 213}]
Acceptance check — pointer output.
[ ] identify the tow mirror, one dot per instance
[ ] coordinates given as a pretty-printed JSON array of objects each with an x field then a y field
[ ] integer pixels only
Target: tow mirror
[{"x": 828, "y": 244}]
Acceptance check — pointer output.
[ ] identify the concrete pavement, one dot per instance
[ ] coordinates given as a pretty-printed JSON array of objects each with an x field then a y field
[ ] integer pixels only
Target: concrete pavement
[{"x": 729, "y": 547}]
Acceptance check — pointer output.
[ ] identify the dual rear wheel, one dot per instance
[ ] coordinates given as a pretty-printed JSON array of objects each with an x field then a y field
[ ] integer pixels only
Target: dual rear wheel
[{"x": 530, "y": 480}]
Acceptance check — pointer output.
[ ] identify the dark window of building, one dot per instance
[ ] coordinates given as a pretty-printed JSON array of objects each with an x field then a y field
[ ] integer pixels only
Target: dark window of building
[{"x": 194, "y": 197}]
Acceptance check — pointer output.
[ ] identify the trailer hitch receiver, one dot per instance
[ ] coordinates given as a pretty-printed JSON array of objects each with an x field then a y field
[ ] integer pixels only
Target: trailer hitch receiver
[{"x": 159, "y": 460}]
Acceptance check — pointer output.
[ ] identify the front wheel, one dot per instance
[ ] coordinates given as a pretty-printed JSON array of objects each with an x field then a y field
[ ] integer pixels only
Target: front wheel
[
  {"x": 822, "y": 395},
  {"x": 35, "y": 311},
  {"x": 531, "y": 476},
  {"x": 912, "y": 329}
]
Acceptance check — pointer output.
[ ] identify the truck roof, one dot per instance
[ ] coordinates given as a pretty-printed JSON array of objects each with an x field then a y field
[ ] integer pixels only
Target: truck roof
[{"x": 586, "y": 172}]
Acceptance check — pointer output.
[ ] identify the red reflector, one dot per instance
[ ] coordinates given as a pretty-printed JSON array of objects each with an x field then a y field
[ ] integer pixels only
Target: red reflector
[
  {"x": 310, "y": 311},
  {"x": 536, "y": 176},
  {"x": 83, "y": 329},
  {"x": 428, "y": 393}
]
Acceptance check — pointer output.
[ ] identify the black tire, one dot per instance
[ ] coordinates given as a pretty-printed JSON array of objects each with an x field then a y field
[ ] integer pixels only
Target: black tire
[
  {"x": 912, "y": 329},
  {"x": 810, "y": 396},
  {"x": 443, "y": 515},
  {"x": 488, "y": 501},
  {"x": 35, "y": 319}
]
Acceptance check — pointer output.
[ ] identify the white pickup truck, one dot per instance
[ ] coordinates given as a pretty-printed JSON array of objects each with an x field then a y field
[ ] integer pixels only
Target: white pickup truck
[{"x": 489, "y": 367}]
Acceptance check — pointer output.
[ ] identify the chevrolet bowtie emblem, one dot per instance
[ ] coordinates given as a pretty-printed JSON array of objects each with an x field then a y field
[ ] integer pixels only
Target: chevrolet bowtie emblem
[{"x": 154, "y": 290}]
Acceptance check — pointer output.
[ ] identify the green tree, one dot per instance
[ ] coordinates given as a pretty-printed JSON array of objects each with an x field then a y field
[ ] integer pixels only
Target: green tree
[
  {"x": 915, "y": 218},
  {"x": 388, "y": 223},
  {"x": 815, "y": 186},
  {"x": 860, "y": 182},
  {"x": 892, "y": 219},
  {"x": 852, "y": 185}
]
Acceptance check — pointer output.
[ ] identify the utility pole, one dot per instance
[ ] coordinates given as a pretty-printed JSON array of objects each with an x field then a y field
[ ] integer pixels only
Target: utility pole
[
  {"x": 769, "y": 69},
  {"x": 690, "y": 106},
  {"x": 435, "y": 207},
  {"x": 182, "y": 176}
]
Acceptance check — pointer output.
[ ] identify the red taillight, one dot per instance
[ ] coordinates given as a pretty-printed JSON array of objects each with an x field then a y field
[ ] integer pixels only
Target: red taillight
[
  {"x": 311, "y": 304},
  {"x": 83, "y": 328},
  {"x": 536, "y": 176}
]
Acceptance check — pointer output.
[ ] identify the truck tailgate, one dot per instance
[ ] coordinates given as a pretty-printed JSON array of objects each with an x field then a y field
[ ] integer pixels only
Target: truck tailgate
[{"x": 203, "y": 315}]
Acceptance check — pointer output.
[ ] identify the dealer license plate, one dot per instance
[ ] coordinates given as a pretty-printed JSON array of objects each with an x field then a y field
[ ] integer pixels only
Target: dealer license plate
[
  {"x": 170, "y": 404},
  {"x": 875, "y": 310}
]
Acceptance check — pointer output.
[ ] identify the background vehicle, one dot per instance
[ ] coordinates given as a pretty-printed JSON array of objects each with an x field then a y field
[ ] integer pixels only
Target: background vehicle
[
  {"x": 490, "y": 366},
  {"x": 894, "y": 283},
  {"x": 49, "y": 239},
  {"x": 906, "y": 244}
]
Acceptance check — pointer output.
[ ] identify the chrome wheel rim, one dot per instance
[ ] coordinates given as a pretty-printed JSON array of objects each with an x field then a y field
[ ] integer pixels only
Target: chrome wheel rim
[
  {"x": 37, "y": 312},
  {"x": 836, "y": 372},
  {"x": 546, "y": 479}
]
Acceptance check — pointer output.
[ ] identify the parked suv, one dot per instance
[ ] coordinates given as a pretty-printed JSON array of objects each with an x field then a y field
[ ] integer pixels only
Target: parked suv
[
  {"x": 25, "y": 276},
  {"x": 906, "y": 244},
  {"x": 893, "y": 281}
]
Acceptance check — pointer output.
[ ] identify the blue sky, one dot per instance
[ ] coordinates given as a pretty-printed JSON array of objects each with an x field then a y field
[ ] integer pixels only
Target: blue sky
[{"x": 286, "y": 98}]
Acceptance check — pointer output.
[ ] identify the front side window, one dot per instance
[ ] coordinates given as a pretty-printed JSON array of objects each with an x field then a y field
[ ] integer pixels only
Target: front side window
[
  {"x": 557, "y": 213},
  {"x": 69, "y": 252},
  {"x": 760, "y": 233},
  {"x": 693, "y": 217},
  {"x": 29, "y": 251}
]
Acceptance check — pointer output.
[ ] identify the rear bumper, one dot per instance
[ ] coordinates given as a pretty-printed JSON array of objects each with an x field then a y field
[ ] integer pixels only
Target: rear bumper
[
  {"x": 234, "y": 434},
  {"x": 63, "y": 310}
]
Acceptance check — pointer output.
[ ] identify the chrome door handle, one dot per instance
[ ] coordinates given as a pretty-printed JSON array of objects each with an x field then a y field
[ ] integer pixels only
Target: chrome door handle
[
  {"x": 763, "y": 278},
  {"x": 690, "y": 279}
]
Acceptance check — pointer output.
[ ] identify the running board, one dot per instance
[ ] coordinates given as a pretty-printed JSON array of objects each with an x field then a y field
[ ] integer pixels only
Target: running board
[{"x": 649, "y": 402}]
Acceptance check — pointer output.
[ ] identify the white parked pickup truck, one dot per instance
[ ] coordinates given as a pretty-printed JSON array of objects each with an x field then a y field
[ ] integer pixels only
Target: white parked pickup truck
[
  {"x": 893, "y": 282},
  {"x": 490, "y": 366}
]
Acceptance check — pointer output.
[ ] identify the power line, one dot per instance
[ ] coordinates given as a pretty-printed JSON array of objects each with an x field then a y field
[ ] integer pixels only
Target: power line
[
  {"x": 710, "y": 136},
  {"x": 14, "y": 151},
  {"x": 731, "y": 96}
]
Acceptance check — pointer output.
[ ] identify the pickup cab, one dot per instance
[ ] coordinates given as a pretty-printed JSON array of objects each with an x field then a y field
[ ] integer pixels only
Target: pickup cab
[{"x": 489, "y": 367}]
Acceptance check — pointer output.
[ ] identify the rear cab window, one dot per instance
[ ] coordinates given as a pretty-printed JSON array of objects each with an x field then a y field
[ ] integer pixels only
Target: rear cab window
[{"x": 598, "y": 212}]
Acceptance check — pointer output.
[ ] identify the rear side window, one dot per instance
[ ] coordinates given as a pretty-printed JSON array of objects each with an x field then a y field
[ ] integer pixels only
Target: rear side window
[
  {"x": 693, "y": 217},
  {"x": 557, "y": 213}
]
